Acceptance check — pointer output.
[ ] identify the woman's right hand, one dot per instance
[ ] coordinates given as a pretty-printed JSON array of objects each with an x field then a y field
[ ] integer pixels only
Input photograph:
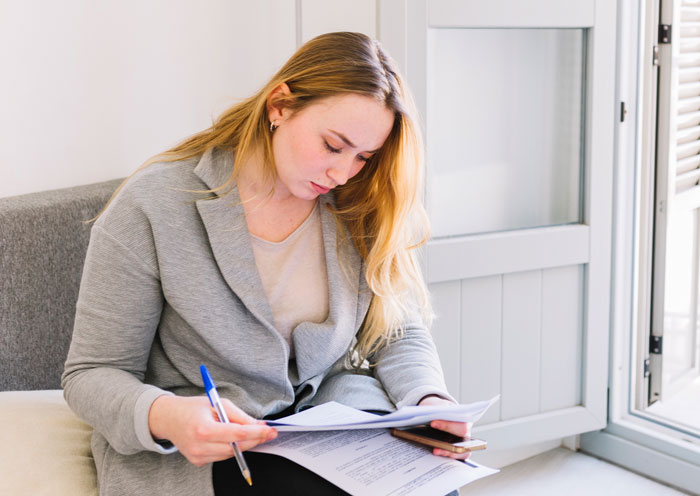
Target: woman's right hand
[{"x": 191, "y": 424}]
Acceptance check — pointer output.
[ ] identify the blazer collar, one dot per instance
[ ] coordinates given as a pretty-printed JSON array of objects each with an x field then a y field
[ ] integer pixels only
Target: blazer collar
[
  {"x": 227, "y": 230},
  {"x": 317, "y": 346}
]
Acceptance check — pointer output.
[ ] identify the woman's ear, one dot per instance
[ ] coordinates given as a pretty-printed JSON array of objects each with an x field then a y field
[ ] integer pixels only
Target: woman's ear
[{"x": 275, "y": 110}]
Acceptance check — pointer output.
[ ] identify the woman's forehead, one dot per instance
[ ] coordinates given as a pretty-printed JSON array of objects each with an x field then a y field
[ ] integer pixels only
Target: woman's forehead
[{"x": 362, "y": 119}]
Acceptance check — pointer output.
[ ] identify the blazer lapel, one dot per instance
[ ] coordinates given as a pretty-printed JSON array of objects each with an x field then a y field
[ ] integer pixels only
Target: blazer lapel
[{"x": 227, "y": 230}]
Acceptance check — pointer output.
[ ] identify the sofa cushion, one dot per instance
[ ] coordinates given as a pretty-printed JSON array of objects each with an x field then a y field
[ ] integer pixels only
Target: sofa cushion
[
  {"x": 44, "y": 446},
  {"x": 43, "y": 240}
]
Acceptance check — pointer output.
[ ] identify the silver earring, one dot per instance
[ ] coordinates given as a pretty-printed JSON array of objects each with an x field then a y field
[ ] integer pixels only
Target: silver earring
[{"x": 273, "y": 126}]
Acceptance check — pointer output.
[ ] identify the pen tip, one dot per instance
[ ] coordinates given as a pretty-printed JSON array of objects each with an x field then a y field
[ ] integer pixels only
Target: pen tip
[{"x": 247, "y": 478}]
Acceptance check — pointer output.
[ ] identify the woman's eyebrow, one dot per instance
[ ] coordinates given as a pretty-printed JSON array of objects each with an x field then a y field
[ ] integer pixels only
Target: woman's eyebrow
[{"x": 348, "y": 142}]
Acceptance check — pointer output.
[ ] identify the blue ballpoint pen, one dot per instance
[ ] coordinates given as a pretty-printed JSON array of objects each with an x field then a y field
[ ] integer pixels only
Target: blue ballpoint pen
[{"x": 216, "y": 403}]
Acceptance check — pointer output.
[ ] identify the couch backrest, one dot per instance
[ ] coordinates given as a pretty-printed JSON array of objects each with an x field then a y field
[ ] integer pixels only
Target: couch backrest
[{"x": 43, "y": 240}]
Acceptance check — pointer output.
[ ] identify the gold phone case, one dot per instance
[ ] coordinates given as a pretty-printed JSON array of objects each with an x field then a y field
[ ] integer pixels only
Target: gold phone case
[{"x": 436, "y": 443}]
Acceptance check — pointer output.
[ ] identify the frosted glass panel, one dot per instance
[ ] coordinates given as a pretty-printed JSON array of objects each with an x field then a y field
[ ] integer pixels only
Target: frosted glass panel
[{"x": 504, "y": 126}]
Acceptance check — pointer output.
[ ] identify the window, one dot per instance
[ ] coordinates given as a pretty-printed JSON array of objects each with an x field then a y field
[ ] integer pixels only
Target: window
[
  {"x": 655, "y": 251},
  {"x": 668, "y": 371},
  {"x": 505, "y": 124}
]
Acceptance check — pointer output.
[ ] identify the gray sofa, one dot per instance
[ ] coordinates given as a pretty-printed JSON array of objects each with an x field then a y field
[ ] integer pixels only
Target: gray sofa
[{"x": 44, "y": 447}]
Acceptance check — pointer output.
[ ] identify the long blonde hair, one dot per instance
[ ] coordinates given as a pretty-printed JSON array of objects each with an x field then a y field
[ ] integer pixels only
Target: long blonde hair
[{"x": 382, "y": 206}]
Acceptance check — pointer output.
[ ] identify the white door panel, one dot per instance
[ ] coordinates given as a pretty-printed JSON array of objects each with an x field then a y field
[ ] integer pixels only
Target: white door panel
[
  {"x": 481, "y": 325},
  {"x": 561, "y": 337},
  {"x": 446, "y": 331},
  {"x": 520, "y": 362},
  {"x": 534, "y": 301}
]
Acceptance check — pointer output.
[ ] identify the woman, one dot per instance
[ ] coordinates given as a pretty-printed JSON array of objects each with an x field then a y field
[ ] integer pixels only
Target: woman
[{"x": 278, "y": 248}]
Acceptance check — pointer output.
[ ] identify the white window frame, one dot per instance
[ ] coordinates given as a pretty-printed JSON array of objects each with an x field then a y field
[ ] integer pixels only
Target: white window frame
[
  {"x": 665, "y": 200},
  {"x": 632, "y": 440}
]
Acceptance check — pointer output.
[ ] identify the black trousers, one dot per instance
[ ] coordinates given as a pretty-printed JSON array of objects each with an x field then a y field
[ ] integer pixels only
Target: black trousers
[{"x": 272, "y": 476}]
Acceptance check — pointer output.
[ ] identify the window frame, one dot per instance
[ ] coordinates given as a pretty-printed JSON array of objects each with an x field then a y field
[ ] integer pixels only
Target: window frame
[{"x": 630, "y": 439}]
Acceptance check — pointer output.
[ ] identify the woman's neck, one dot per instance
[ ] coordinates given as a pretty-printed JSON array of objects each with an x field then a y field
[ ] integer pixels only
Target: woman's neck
[
  {"x": 272, "y": 212},
  {"x": 255, "y": 187}
]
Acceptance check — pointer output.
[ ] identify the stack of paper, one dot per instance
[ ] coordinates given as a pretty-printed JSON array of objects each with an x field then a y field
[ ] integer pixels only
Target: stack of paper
[
  {"x": 334, "y": 416},
  {"x": 357, "y": 453}
]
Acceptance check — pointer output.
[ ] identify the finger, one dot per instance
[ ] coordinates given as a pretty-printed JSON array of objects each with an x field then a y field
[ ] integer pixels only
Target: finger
[
  {"x": 450, "y": 454},
  {"x": 218, "y": 432},
  {"x": 247, "y": 445},
  {"x": 269, "y": 437},
  {"x": 251, "y": 443},
  {"x": 254, "y": 432},
  {"x": 235, "y": 419},
  {"x": 236, "y": 415},
  {"x": 216, "y": 451},
  {"x": 220, "y": 451},
  {"x": 461, "y": 429},
  {"x": 209, "y": 452}
]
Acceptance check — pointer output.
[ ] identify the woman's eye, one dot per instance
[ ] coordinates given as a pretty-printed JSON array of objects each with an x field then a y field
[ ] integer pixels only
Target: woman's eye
[{"x": 330, "y": 148}]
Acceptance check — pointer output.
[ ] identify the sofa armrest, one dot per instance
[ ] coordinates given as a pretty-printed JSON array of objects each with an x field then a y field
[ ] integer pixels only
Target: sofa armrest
[{"x": 44, "y": 446}]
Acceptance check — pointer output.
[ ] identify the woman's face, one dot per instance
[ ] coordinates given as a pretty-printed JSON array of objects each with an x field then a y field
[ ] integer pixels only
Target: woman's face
[{"x": 327, "y": 143}]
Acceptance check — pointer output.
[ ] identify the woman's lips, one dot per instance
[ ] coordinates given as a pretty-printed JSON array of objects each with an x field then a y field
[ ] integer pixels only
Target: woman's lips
[{"x": 319, "y": 189}]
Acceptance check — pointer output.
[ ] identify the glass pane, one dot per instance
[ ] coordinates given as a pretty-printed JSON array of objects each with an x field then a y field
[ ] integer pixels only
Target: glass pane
[
  {"x": 679, "y": 294},
  {"x": 504, "y": 128}
]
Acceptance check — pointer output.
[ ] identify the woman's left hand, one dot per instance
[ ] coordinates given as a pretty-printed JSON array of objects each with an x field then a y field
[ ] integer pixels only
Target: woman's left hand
[{"x": 460, "y": 429}]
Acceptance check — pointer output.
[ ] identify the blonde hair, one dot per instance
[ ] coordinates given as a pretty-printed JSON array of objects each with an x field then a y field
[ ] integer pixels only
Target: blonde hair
[{"x": 381, "y": 206}]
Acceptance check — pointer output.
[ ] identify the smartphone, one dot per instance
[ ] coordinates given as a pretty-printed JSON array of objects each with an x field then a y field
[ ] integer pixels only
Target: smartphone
[{"x": 440, "y": 439}]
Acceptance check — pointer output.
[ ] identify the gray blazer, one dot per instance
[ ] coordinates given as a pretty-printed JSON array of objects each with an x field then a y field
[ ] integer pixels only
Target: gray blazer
[{"x": 169, "y": 283}]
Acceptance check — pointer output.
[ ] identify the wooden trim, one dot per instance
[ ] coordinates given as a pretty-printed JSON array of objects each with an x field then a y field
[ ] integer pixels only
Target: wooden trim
[
  {"x": 537, "y": 428},
  {"x": 503, "y": 252},
  {"x": 599, "y": 139}
]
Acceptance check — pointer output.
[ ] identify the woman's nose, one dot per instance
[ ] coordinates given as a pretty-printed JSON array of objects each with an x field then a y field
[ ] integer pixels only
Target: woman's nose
[{"x": 340, "y": 172}]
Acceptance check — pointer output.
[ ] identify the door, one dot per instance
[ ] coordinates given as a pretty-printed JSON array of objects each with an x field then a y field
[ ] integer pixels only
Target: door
[{"x": 518, "y": 100}]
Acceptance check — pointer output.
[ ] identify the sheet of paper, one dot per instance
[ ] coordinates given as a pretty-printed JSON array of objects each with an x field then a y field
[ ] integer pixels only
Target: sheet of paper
[
  {"x": 334, "y": 416},
  {"x": 372, "y": 461}
]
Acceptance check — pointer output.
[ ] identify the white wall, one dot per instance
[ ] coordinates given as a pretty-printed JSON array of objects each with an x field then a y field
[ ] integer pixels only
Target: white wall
[
  {"x": 92, "y": 89},
  {"x": 89, "y": 90}
]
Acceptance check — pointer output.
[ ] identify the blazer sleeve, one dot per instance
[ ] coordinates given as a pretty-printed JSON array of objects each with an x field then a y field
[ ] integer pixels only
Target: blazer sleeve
[
  {"x": 409, "y": 368},
  {"x": 117, "y": 314}
]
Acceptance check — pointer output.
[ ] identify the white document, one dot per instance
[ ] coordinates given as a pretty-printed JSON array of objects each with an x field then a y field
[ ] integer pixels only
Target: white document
[
  {"x": 363, "y": 460},
  {"x": 334, "y": 416},
  {"x": 372, "y": 461}
]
